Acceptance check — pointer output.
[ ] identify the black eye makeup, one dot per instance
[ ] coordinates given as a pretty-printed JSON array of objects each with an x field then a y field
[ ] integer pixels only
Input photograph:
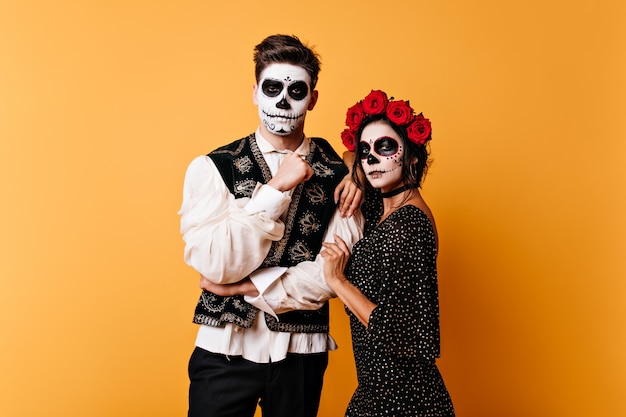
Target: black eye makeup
[
  {"x": 383, "y": 146},
  {"x": 271, "y": 88},
  {"x": 298, "y": 90}
]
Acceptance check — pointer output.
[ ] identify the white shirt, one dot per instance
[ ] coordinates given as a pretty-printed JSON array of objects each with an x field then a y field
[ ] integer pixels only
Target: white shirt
[{"x": 227, "y": 238}]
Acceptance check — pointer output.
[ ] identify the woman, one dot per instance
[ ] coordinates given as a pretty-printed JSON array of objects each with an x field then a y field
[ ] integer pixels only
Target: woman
[{"x": 389, "y": 284}]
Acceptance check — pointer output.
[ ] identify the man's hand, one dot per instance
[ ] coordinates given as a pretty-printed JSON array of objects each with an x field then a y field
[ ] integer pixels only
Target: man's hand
[
  {"x": 243, "y": 287},
  {"x": 291, "y": 172}
]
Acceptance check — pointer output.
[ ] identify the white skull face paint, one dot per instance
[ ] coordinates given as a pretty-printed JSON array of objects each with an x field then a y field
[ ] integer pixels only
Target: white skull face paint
[
  {"x": 381, "y": 152},
  {"x": 283, "y": 96}
]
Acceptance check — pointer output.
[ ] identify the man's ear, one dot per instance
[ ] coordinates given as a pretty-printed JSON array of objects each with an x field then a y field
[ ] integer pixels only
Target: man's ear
[
  {"x": 254, "y": 88},
  {"x": 314, "y": 95}
]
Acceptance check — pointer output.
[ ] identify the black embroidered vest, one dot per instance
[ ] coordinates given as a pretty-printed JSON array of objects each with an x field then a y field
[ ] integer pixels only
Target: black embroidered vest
[{"x": 241, "y": 165}]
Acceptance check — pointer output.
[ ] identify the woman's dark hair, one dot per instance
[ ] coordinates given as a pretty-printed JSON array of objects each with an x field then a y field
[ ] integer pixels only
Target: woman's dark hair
[
  {"x": 277, "y": 49},
  {"x": 412, "y": 174}
]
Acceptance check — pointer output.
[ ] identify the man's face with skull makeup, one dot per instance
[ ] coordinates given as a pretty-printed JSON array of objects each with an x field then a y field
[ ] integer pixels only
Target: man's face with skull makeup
[
  {"x": 283, "y": 96},
  {"x": 381, "y": 152}
]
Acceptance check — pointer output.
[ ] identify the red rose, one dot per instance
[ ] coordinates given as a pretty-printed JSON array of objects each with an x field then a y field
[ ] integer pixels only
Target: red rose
[
  {"x": 375, "y": 102},
  {"x": 399, "y": 112},
  {"x": 419, "y": 130},
  {"x": 355, "y": 116},
  {"x": 349, "y": 139}
]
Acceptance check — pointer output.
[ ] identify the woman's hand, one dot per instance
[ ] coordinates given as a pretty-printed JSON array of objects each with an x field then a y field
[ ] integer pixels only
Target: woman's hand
[
  {"x": 347, "y": 193},
  {"x": 349, "y": 196},
  {"x": 243, "y": 287},
  {"x": 335, "y": 257}
]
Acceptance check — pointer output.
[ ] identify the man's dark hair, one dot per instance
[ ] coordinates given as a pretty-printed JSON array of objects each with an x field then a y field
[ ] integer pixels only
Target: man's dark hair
[{"x": 288, "y": 49}]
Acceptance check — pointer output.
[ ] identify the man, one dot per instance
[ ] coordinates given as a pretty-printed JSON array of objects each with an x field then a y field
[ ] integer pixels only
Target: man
[{"x": 254, "y": 214}]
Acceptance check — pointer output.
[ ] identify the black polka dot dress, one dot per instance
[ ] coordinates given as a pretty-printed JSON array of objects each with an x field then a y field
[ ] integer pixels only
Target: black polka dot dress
[{"x": 394, "y": 265}]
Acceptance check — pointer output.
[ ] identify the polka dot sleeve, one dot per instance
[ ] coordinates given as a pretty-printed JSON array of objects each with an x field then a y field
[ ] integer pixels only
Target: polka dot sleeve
[{"x": 405, "y": 322}]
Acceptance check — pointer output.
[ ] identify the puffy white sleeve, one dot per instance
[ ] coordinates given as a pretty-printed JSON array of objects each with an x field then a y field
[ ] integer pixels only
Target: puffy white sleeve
[
  {"x": 226, "y": 238},
  {"x": 303, "y": 287}
]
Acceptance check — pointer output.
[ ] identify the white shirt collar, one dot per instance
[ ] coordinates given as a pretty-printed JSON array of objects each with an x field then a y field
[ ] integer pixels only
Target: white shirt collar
[{"x": 266, "y": 147}]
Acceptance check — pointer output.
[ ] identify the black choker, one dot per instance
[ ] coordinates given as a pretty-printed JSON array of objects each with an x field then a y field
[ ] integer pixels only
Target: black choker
[{"x": 398, "y": 190}]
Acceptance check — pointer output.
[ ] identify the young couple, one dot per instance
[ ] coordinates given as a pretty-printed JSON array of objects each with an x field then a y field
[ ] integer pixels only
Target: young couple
[{"x": 276, "y": 225}]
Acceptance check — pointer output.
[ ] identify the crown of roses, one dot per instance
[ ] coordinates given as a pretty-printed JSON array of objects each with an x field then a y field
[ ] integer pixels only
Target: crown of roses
[{"x": 399, "y": 112}]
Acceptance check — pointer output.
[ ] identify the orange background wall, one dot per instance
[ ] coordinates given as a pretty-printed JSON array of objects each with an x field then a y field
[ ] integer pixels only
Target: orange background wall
[{"x": 104, "y": 103}]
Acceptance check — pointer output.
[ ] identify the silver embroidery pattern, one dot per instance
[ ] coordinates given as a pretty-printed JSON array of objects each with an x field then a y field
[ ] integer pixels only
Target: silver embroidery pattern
[
  {"x": 209, "y": 300},
  {"x": 328, "y": 160},
  {"x": 300, "y": 252},
  {"x": 321, "y": 170},
  {"x": 237, "y": 151},
  {"x": 275, "y": 325},
  {"x": 244, "y": 188},
  {"x": 315, "y": 194},
  {"x": 243, "y": 164},
  {"x": 245, "y": 322},
  {"x": 276, "y": 252},
  {"x": 258, "y": 156},
  {"x": 238, "y": 305},
  {"x": 214, "y": 305},
  {"x": 309, "y": 223}
]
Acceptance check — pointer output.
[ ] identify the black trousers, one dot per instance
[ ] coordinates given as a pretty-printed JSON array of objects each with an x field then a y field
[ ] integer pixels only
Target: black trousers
[{"x": 222, "y": 386}]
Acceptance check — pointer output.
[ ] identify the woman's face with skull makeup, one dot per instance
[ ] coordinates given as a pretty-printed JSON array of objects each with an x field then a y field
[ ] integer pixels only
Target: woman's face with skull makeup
[
  {"x": 283, "y": 97},
  {"x": 381, "y": 153}
]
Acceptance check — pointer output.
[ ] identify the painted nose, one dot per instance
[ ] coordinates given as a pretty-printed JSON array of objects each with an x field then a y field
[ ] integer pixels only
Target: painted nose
[
  {"x": 371, "y": 159},
  {"x": 283, "y": 104}
]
